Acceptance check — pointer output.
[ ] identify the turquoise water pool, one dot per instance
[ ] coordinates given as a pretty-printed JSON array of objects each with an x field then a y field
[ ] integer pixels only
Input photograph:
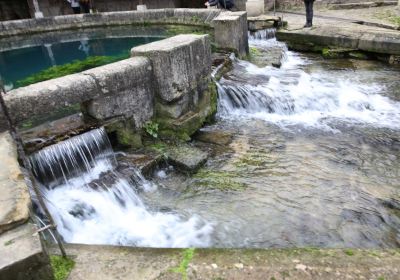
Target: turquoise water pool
[{"x": 18, "y": 64}]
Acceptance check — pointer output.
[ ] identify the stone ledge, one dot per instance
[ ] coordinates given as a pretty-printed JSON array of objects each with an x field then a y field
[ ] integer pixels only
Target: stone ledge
[
  {"x": 15, "y": 200},
  {"x": 120, "y": 78},
  {"x": 307, "y": 263},
  {"x": 387, "y": 42},
  {"x": 22, "y": 255}
]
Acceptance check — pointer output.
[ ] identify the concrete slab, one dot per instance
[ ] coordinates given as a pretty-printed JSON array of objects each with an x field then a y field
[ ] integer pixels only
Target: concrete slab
[
  {"x": 22, "y": 255},
  {"x": 332, "y": 32},
  {"x": 109, "y": 262},
  {"x": 15, "y": 200}
]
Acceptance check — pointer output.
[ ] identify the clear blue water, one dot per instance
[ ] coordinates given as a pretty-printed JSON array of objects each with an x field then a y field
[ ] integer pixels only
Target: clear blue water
[{"x": 18, "y": 64}]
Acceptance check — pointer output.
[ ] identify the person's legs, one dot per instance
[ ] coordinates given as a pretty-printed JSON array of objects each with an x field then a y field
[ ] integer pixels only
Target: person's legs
[
  {"x": 77, "y": 10},
  {"x": 309, "y": 12}
]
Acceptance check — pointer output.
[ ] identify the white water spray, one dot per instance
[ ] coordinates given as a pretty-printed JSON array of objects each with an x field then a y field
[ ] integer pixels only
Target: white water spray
[
  {"x": 93, "y": 204},
  {"x": 291, "y": 96}
]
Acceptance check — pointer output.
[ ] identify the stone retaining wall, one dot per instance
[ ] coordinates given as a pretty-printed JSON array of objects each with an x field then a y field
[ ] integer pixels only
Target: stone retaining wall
[
  {"x": 201, "y": 17},
  {"x": 124, "y": 89},
  {"x": 167, "y": 79}
]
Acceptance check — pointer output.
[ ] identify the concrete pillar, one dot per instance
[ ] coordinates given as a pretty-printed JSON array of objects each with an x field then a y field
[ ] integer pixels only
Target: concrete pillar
[
  {"x": 255, "y": 7},
  {"x": 231, "y": 32},
  {"x": 38, "y": 13}
]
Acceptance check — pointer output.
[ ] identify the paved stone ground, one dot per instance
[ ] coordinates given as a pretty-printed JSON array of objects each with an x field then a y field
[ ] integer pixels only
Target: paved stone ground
[
  {"x": 327, "y": 32},
  {"x": 388, "y": 16},
  {"x": 109, "y": 262}
]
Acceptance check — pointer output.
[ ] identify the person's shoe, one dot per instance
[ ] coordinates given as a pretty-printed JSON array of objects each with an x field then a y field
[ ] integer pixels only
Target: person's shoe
[{"x": 308, "y": 24}]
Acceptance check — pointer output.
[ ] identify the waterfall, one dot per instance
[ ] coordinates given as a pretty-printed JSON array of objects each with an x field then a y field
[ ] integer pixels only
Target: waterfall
[
  {"x": 92, "y": 203},
  {"x": 263, "y": 34},
  {"x": 291, "y": 96}
]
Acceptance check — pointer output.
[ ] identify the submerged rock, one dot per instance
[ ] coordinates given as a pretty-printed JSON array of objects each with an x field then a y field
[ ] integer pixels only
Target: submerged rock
[
  {"x": 271, "y": 56},
  {"x": 146, "y": 162},
  {"x": 214, "y": 137},
  {"x": 186, "y": 158}
]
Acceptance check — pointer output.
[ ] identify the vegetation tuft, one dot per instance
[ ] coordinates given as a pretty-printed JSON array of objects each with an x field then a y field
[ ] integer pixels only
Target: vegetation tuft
[
  {"x": 183, "y": 266},
  {"x": 61, "y": 267}
]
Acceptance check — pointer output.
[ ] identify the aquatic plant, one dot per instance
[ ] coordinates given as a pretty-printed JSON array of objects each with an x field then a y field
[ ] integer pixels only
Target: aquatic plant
[
  {"x": 69, "y": 68},
  {"x": 218, "y": 180}
]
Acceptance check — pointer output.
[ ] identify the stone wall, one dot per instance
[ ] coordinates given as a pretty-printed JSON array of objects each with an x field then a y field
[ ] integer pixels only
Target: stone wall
[
  {"x": 201, "y": 17},
  {"x": 23, "y": 9}
]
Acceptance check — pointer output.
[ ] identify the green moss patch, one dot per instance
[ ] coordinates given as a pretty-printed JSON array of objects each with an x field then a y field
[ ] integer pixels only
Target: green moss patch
[
  {"x": 70, "y": 68},
  {"x": 61, "y": 267},
  {"x": 218, "y": 180}
]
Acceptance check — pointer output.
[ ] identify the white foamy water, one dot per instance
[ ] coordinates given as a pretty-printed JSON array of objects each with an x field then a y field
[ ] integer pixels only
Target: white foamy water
[
  {"x": 291, "y": 96},
  {"x": 100, "y": 206}
]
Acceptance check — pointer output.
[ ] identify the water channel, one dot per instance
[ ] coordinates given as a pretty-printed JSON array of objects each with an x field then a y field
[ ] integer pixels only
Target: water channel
[{"x": 313, "y": 160}]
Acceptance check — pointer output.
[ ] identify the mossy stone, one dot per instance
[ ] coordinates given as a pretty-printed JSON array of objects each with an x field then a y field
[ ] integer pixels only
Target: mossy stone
[
  {"x": 125, "y": 133},
  {"x": 185, "y": 126}
]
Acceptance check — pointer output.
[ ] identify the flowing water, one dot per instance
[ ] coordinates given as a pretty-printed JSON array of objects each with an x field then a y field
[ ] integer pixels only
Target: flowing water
[
  {"x": 314, "y": 160},
  {"x": 92, "y": 203}
]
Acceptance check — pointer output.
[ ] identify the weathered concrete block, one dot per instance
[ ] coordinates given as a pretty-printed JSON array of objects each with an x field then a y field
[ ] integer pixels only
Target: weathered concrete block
[
  {"x": 231, "y": 32},
  {"x": 178, "y": 63},
  {"x": 127, "y": 88},
  {"x": 22, "y": 255},
  {"x": 15, "y": 200},
  {"x": 254, "y": 7},
  {"x": 45, "y": 97}
]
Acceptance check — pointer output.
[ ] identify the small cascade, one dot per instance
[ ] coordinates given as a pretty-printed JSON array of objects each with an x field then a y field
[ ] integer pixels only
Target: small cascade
[
  {"x": 263, "y": 34},
  {"x": 289, "y": 95},
  {"x": 92, "y": 203},
  {"x": 59, "y": 163}
]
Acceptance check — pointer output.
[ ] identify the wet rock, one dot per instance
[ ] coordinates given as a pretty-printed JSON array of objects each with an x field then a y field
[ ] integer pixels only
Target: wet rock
[
  {"x": 146, "y": 163},
  {"x": 215, "y": 137},
  {"x": 82, "y": 211},
  {"x": 15, "y": 200},
  {"x": 186, "y": 158},
  {"x": 271, "y": 56}
]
